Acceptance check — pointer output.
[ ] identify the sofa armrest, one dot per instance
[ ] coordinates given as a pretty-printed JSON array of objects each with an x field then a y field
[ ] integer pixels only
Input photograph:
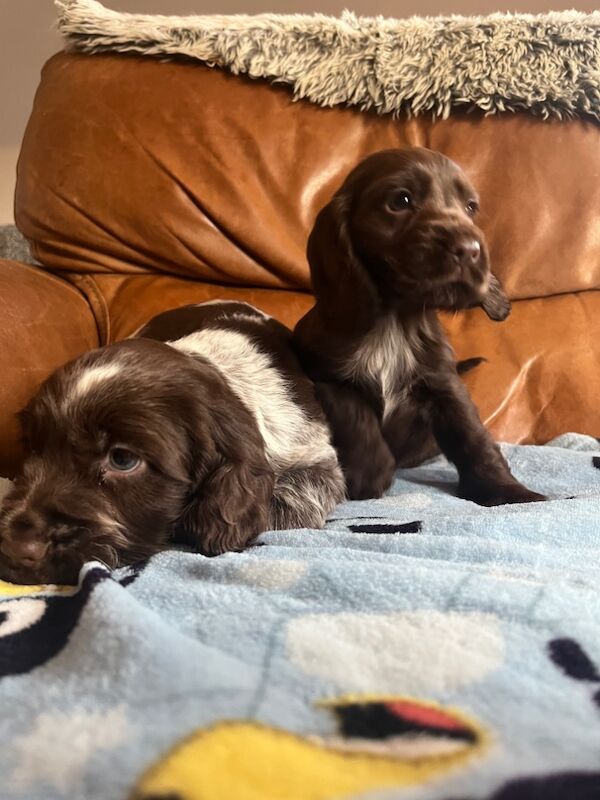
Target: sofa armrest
[{"x": 44, "y": 322}]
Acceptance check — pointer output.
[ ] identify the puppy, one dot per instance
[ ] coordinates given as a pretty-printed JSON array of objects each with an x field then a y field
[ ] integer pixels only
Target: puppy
[
  {"x": 398, "y": 242},
  {"x": 201, "y": 429}
]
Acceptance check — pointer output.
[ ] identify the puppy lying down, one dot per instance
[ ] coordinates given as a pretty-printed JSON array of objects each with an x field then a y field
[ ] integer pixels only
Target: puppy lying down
[{"x": 201, "y": 429}]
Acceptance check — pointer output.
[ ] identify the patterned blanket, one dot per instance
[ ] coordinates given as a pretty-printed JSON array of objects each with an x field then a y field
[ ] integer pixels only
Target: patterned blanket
[{"x": 419, "y": 648}]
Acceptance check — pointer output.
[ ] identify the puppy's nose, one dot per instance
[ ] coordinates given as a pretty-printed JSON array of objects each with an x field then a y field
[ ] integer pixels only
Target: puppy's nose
[
  {"x": 467, "y": 250},
  {"x": 28, "y": 552}
]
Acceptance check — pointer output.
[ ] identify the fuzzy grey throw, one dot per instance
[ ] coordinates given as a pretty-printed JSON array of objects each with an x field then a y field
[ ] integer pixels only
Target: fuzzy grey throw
[
  {"x": 14, "y": 246},
  {"x": 548, "y": 64}
]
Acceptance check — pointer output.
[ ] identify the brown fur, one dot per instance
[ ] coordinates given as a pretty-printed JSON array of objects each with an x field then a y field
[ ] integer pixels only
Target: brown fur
[
  {"x": 204, "y": 476},
  {"x": 396, "y": 243}
]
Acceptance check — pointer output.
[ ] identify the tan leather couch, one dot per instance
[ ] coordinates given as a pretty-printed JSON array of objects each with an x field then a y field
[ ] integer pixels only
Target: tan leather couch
[{"x": 144, "y": 185}]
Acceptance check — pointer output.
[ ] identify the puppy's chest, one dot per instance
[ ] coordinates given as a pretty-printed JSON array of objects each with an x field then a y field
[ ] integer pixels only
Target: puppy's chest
[{"x": 388, "y": 360}]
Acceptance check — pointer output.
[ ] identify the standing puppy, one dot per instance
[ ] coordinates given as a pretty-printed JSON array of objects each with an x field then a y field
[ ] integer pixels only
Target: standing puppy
[
  {"x": 397, "y": 242},
  {"x": 201, "y": 429}
]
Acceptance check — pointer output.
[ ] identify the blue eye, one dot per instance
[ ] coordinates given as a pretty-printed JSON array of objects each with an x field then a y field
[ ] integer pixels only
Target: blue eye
[
  {"x": 400, "y": 200},
  {"x": 122, "y": 460}
]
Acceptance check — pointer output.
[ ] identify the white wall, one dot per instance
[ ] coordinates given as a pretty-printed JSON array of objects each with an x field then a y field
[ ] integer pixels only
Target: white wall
[{"x": 28, "y": 37}]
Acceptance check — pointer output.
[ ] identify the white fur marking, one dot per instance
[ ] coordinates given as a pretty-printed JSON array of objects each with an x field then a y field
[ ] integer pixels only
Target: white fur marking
[
  {"x": 237, "y": 302},
  {"x": 94, "y": 376},
  {"x": 386, "y": 356},
  {"x": 291, "y": 438}
]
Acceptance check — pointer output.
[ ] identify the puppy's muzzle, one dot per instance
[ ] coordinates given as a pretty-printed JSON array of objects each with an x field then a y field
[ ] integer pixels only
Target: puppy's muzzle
[
  {"x": 24, "y": 552},
  {"x": 21, "y": 541}
]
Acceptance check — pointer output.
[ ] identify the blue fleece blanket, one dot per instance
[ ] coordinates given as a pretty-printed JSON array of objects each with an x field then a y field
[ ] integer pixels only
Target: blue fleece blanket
[{"x": 421, "y": 647}]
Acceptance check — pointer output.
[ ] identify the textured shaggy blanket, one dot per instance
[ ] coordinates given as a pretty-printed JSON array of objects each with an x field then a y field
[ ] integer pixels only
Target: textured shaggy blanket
[
  {"x": 419, "y": 648},
  {"x": 14, "y": 246},
  {"x": 548, "y": 64}
]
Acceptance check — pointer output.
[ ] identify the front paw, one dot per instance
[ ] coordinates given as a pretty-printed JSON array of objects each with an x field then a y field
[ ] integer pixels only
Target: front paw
[
  {"x": 369, "y": 484},
  {"x": 494, "y": 494}
]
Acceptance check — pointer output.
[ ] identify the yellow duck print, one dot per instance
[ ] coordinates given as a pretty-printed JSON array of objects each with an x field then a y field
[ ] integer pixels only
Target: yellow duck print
[{"x": 383, "y": 742}]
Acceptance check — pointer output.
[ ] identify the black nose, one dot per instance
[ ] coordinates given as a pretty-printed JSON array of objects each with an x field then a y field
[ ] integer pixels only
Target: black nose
[{"x": 467, "y": 250}]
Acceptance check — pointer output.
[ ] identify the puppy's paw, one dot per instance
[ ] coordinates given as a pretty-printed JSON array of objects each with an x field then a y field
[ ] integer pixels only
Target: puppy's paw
[
  {"x": 369, "y": 484},
  {"x": 491, "y": 494}
]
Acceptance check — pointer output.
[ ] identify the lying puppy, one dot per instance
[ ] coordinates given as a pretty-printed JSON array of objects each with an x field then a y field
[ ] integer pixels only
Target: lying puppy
[
  {"x": 397, "y": 242},
  {"x": 201, "y": 429}
]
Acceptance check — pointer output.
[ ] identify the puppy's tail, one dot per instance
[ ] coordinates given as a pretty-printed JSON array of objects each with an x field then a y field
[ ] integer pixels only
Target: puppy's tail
[{"x": 469, "y": 363}]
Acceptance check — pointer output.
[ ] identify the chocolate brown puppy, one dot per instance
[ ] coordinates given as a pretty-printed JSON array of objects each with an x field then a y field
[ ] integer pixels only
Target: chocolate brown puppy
[
  {"x": 398, "y": 242},
  {"x": 202, "y": 429}
]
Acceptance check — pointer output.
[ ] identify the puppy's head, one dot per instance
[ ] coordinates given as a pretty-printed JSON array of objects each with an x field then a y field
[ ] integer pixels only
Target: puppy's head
[
  {"x": 402, "y": 230},
  {"x": 124, "y": 451}
]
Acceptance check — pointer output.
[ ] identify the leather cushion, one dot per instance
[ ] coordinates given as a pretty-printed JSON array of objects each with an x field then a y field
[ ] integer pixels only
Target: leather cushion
[
  {"x": 543, "y": 363},
  {"x": 133, "y": 165},
  {"x": 45, "y": 323}
]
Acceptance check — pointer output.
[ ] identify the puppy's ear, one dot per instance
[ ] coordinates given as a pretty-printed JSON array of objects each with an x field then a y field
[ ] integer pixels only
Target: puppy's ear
[
  {"x": 229, "y": 506},
  {"x": 338, "y": 276},
  {"x": 495, "y": 303}
]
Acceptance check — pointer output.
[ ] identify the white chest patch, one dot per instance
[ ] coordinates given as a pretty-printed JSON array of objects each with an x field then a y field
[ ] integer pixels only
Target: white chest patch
[
  {"x": 386, "y": 356},
  {"x": 291, "y": 438}
]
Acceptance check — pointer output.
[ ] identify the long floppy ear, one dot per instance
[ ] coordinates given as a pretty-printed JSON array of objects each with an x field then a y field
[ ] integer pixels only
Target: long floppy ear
[
  {"x": 340, "y": 281},
  {"x": 495, "y": 303},
  {"x": 229, "y": 505}
]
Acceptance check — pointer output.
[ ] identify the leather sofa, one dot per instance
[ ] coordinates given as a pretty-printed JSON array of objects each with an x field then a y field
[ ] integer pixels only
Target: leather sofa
[{"x": 143, "y": 185}]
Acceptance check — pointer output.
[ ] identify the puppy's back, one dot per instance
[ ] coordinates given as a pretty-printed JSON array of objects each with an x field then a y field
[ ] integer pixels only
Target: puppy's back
[{"x": 252, "y": 352}]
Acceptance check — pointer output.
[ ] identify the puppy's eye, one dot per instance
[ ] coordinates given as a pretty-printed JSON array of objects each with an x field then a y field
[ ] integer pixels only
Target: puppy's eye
[
  {"x": 399, "y": 201},
  {"x": 122, "y": 460},
  {"x": 472, "y": 207}
]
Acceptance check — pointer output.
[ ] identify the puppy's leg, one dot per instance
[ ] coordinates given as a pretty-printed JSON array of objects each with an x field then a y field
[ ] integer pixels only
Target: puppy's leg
[
  {"x": 304, "y": 496},
  {"x": 409, "y": 433},
  {"x": 365, "y": 458},
  {"x": 484, "y": 476}
]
